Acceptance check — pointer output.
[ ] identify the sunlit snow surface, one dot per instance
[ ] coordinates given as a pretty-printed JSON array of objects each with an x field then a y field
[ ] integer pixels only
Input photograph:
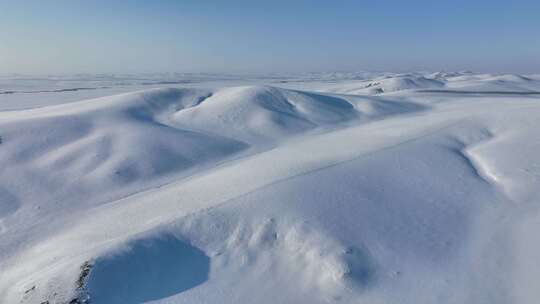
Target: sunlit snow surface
[{"x": 308, "y": 188}]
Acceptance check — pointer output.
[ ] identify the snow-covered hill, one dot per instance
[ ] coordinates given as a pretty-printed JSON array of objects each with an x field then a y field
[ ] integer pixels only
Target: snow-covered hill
[
  {"x": 406, "y": 188},
  {"x": 453, "y": 82},
  {"x": 388, "y": 84}
]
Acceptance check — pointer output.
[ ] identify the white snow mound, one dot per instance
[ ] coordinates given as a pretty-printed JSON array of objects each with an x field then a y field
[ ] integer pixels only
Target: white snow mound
[{"x": 424, "y": 193}]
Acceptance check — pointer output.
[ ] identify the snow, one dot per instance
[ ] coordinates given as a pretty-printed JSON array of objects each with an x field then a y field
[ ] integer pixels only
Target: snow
[
  {"x": 389, "y": 84},
  {"x": 315, "y": 188}
]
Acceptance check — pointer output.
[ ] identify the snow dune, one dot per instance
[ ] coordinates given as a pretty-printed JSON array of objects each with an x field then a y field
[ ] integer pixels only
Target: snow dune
[
  {"x": 449, "y": 82},
  {"x": 261, "y": 114},
  {"x": 116, "y": 145},
  {"x": 263, "y": 194},
  {"x": 387, "y": 84}
]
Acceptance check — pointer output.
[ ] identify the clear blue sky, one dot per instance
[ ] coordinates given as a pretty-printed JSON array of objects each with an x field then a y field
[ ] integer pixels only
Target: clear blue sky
[{"x": 69, "y": 36}]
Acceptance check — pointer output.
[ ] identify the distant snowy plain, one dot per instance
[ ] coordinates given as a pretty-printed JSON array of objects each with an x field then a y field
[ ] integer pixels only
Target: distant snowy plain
[{"x": 309, "y": 188}]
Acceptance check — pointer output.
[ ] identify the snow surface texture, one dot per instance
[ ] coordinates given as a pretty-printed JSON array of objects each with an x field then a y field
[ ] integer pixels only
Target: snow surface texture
[{"x": 316, "y": 188}]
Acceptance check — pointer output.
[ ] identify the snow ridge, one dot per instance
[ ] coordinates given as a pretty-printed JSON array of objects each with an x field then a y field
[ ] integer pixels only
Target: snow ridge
[{"x": 317, "y": 192}]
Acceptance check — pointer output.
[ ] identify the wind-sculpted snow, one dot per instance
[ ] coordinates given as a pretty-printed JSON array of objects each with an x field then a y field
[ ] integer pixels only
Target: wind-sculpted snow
[
  {"x": 149, "y": 269},
  {"x": 262, "y": 114},
  {"x": 387, "y": 84},
  {"x": 139, "y": 140},
  {"x": 441, "y": 82},
  {"x": 258, "y": 194},
  {"x": 117, "y": 145}
]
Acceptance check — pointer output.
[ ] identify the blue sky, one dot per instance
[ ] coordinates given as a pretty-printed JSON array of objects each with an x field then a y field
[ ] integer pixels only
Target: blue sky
[{"x": 70, "y": 36}]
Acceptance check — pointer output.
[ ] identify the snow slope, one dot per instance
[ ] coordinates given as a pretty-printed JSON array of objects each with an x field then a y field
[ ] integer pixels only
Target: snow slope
[
  {"x": 271, "y": 195},
  {"x": 452, "y": 82},
  {"x": 387, "y": 84}
]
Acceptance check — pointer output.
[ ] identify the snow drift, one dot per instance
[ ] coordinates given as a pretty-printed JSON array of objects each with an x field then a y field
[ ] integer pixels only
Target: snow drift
[{"x": 264, "y": 194}]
